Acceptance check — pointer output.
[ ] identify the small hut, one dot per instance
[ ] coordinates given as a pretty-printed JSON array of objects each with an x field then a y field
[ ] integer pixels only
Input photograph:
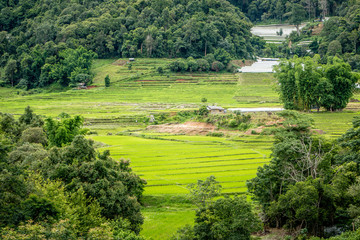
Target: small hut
[{"x": 216, "y": 109}]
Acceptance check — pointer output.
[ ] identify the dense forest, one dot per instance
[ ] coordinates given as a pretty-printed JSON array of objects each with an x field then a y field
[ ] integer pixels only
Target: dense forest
[
  {"x": 54, "y": 185},
  {"x": 311, "y": 186},
  {"x": 36, "y": 36},
  {"x": 339, "y": 36},
  {"x": 282, "y": 10},
  {"x": 46, "y": 42}
]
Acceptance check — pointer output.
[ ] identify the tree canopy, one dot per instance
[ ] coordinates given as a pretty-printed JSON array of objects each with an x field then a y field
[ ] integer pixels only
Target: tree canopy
[
  {"x": 304, "y": 83},
  {"x": 58, "y": 186},
  {"x": 54, "y": 41}
]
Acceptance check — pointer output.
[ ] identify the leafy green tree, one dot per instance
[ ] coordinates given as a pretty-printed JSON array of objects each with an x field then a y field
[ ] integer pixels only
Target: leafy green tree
[
  {"x": 203, "y": 192},
  {"x": 222, "y": 56},
  {"x": 308, "y": 204},
  {"x": 334, "y": 48},
  {"x": 39, "y": 209},
  {"x": 107, "y": 81},
  {"x": 30, "y": 119},
  {"x": 203, "y": 111},
  {"x": 217, "y": 66},
  {"x": 110, "y": 183},
  {"x": 296, "y": 15},
  {"x": 226, "y": 218},
  {"x": 304, "y": 82},
  {"x": 203, "y": 65},
  {"x": 11, "y": 72},
  {"x": 63, "y": 132}
]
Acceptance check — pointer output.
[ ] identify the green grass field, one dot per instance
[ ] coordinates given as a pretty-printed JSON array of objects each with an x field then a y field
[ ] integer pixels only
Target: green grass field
[
  {"x": 170, "y": 162},
  {"x": 132, "y": 93}
]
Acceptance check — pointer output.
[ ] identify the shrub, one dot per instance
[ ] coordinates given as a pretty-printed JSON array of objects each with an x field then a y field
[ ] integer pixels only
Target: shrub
[
  {"x": 217, "y": 66},
  {"x": 203, "y": 65},
  {"x": 107, "y": 81}
]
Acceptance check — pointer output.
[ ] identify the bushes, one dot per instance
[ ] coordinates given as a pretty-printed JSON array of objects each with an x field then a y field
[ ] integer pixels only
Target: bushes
[{"x": 216, "y": 62}]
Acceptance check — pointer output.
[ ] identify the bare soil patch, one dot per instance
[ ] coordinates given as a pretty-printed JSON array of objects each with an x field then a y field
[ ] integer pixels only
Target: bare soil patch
[{"x": 189, "y": 128}]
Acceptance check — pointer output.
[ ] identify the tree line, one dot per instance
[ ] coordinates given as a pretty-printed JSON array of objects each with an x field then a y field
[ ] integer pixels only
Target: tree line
[
  {"x": 54, "y": 185},
  {"x": 339, "y": 36},
  {"x": 311, "y": 185},
  {"x": 37, "y": 36},
  {"x": 285, "y": 10},
  {"x": 305, "y": 83}
]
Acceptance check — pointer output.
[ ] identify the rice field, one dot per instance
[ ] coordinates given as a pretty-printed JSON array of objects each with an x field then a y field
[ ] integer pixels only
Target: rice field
[
  {"x": 142, "y": 91},
  {"x": 170, "y": 162}
]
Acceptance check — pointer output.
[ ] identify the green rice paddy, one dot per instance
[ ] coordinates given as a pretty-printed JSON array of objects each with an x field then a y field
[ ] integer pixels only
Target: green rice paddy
[{"x": 170, "y": 162}]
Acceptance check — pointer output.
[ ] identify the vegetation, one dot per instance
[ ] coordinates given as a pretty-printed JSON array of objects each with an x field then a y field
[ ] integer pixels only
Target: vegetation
[
  {"x": 58, "y": 180},
  {"x": 304, "y": 83},
  {"x": 43, "y": 43},
  {"x": 225, "y": 218},
  {"x": 280, "y": 11},
  {"x": 338, "y": 36},
  {"x": 310, "y": 181},
  {"x": 63, "y": 191}
]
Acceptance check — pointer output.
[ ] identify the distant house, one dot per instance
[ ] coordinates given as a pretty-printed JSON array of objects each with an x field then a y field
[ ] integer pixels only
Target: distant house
[
  {"x": 131, "y": 59},
  {"x": 81, "y": 85},
  {"x": 216, "y": 109}
]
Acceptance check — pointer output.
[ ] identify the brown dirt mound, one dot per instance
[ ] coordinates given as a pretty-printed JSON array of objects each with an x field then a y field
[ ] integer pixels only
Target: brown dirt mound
[{"x": 190, "y": 128}]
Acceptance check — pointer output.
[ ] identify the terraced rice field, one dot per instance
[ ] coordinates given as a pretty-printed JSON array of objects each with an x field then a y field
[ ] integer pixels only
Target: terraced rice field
[
  {"x": 171, "y": 163},
  {"x": 136, "y": 93}
]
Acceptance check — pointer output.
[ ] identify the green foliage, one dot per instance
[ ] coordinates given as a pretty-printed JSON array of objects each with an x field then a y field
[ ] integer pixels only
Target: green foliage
[
  {"x": 310, "y": 183},
  {"x": 216, "y": 63},
  {"x": 217, "y": 66},
  {"x": 226, "y": 218},
  {"x": 90, "y": 189},
  {"x": 34, "y": 135},
  {"x": 110, "y": 183},
  {"x": 62, "y": 37},
  {"x": 203, "y": 192},
  {"x": 31, "y": 119},
  {"x": 203, "y": 111},
  {"x": 308, "y": 204},
  {"x": 160, "y": 70},
  {"x": 107, "y": 81},
  {"x": 63, "y": 132},
  {"x": 334, "y": 48},
  {"x": 304, "y": 83},
  {"x": 39, "y": 209}
]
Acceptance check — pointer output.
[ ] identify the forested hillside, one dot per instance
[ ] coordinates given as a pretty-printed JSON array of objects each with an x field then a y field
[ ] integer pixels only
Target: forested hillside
[
  {"x": 35, "y": 35},
  {"x": 283, "y": 10}
]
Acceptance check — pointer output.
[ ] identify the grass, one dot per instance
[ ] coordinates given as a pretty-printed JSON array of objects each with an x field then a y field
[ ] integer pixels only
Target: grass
[
  {"x": 147, "y": 93},
  {"x": 170, "y": 162}
]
